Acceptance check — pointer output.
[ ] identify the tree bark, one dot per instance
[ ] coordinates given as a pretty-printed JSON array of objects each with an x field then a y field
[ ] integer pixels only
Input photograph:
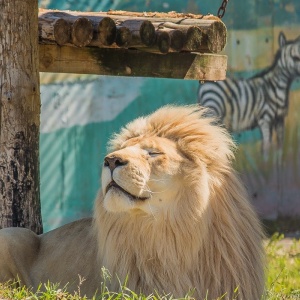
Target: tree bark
[{"x": 19, "y": 115}]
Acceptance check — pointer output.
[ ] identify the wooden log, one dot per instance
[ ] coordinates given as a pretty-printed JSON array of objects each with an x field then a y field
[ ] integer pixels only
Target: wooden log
[
  {"x": 94, "y": 31},
  {"x": 54, "y": 30},
  {"x": 163, "y": 41},
  {"x": 123, "y": 62},
  {"x": 81, "y": 32},
  {"x": 177, "y": 39},
  {"x": 142, "y": 31},
  {"x": 193, "y": 40},
  {"x": 215, "y": 37},
  {"x": 170, "y": 39},
  {"x": 19, "y": 116},
  {"x": 147, "y": 33},
  {"x": 123, "y": 37},
  {"x": 107, "y": 30},
  {"x": 167, "y": 41}
]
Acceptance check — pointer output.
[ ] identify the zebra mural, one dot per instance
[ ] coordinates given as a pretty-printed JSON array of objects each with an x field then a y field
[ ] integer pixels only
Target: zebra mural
[{"x": 260, "y": 101}]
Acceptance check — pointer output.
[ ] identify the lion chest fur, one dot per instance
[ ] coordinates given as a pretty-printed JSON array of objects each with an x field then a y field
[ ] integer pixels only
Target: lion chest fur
[{"x": 151, "y": 250}]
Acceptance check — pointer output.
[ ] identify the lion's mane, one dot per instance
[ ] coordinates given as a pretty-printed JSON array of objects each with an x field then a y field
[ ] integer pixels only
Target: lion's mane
[{"x": 210, "y": 241}]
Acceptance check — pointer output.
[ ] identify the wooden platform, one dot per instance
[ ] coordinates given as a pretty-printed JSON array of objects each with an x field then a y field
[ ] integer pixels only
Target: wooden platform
[{"x": 163, "y": 45}]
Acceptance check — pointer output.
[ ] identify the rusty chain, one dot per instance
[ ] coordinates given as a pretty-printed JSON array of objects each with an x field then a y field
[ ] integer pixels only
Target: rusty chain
[{"x": 222, "y": 9}]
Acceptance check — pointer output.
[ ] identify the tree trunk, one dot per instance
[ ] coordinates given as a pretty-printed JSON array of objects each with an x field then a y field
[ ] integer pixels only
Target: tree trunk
[{"x": 19, "y": 115}]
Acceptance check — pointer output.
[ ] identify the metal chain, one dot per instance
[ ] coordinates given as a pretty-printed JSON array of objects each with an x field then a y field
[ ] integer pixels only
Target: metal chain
[{"x": 222, "y": 9}]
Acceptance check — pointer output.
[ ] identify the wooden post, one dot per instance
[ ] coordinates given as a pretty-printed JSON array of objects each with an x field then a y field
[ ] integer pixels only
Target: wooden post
[{"x": 19, "y": 115}]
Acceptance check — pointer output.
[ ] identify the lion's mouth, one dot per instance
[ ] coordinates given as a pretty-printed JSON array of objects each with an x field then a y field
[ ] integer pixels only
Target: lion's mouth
[{"x": 132, "y": 197}]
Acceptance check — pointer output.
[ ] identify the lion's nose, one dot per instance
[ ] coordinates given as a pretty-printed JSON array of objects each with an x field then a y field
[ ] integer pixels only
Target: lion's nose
[{"x": 114, "y": 161}]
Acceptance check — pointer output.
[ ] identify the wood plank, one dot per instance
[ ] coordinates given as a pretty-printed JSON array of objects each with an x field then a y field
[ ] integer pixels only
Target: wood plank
[{"x": 135, "y": 63}]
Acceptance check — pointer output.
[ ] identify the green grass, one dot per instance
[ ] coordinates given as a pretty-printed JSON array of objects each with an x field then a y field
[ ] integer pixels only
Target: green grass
[
  {"x": 282, "y": 283},
  {"x": 283, "y": 268}
]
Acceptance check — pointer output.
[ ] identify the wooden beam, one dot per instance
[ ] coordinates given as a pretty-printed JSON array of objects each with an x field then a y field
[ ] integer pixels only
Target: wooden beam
[
  {"x": 135, "y": 63},
  {"x": 19, "y": 116}
]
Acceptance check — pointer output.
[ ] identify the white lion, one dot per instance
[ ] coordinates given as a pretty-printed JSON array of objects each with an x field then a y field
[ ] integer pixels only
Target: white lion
[{"x": 172, "y": 216}]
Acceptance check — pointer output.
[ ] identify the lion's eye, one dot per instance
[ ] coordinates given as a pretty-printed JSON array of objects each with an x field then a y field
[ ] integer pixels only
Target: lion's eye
[{"x": 154, "y": 153}]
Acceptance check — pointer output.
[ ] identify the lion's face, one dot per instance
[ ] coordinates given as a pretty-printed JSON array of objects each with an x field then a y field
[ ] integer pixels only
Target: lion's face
[{"x": 143, "y": 175}]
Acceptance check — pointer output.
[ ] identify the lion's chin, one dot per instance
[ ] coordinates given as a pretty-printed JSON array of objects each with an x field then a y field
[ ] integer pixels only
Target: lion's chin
[{"x": 116, "y": 200}]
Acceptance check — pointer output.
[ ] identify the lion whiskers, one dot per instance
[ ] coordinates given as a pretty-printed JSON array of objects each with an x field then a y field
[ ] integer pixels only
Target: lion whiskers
[
  {"x": 147, "y": 189},
  {"x": 151, "y": 211},
  {"x": 158, "y": 180}
]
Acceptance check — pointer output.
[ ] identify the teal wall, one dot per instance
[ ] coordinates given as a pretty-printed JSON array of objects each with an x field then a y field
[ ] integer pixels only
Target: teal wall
[
  {"x": 77, "y": 120},
  {"x": 79, "y": 113}
]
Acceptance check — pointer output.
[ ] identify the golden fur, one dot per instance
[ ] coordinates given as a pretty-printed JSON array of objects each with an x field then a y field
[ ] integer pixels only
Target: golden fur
[{"x": 172, "y": 216}]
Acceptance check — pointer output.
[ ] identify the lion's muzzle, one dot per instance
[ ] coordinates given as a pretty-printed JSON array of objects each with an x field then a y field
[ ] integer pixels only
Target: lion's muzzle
[{"x": 113, "y": 184}]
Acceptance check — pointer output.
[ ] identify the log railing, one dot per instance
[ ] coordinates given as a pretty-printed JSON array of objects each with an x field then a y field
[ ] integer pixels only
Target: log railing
[{"x": 157, "y": 32}]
